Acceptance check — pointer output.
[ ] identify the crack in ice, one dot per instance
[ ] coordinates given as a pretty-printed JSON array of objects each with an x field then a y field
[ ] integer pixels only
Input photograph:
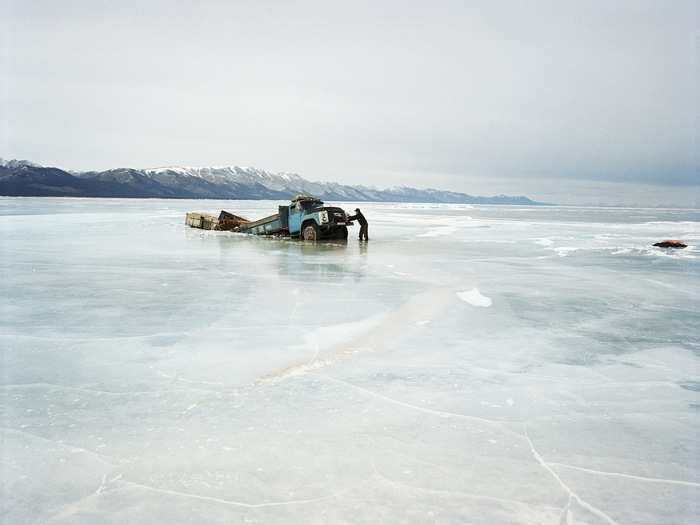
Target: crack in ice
[
  {"x": 441, "y": 413},
  {"x": 102, "y": 485},
  {"x": 188, "y": 381},
  {"x": 628, "y": 476},
  {"x": 568, "y": 489},
  {"x": 455, "y": 493},
  {"x": 566, "y": 515},
  {"x": 99, "y": 457},
  {"x": 498, "y": 424},
  {"x": 234, "y": 503},
  {"x": 72, "y": 507}
]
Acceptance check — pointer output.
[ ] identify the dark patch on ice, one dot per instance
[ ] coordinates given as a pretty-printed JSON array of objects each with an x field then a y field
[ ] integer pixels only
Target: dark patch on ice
[
  {"x": 388, "y": 377},
  {"x": 628, "y": 363},
  {"x": 691, "y": 385}
]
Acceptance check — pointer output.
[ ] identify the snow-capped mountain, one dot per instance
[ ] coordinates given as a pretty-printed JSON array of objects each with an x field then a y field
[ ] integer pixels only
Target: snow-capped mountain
[
  {"x": 14, "y": 163},
  {"x": 24, "y": 178}
]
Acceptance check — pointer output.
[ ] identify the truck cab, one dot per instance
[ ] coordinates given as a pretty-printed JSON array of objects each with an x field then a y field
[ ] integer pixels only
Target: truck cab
[{"x": 310, "y": 220}]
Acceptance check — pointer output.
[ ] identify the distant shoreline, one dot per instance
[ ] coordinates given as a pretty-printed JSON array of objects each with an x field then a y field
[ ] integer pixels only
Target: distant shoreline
[{"x": 538, "y": 205}]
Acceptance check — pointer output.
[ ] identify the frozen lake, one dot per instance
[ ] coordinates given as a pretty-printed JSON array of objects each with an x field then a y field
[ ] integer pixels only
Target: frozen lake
[{"x": 468, "y": 365}]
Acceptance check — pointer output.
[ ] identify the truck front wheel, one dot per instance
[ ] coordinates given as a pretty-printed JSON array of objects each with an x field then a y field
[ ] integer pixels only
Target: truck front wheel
[{"x": 310, "y": 232}]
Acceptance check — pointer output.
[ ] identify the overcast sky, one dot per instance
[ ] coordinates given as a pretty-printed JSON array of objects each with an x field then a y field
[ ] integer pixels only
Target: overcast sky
[{"x": 573, "y": 102}]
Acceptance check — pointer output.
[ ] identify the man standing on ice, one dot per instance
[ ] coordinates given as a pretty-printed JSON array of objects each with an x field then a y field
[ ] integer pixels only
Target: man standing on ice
[{"x": 363, "y": 223}]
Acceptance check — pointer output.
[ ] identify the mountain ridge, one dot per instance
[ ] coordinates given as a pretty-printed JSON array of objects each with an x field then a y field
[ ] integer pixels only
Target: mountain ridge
[{"x": 24, "y": 178}]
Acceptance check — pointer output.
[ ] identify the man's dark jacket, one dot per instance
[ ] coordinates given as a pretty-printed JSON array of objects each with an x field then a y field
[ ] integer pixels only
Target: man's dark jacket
[{"x": 359, "y": 218}]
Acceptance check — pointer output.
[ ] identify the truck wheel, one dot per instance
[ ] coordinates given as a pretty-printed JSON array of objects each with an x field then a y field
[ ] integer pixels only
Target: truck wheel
[{"x": 310, "y": 232}]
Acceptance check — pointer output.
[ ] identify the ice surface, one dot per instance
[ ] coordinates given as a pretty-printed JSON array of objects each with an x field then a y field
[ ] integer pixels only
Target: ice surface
[{"x": 152, "y": 373}]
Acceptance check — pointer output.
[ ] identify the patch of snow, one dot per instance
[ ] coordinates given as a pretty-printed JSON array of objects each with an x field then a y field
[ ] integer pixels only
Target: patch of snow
[
  {"x": 475, "y": 298},
  {"x": 565, "y": 251}
]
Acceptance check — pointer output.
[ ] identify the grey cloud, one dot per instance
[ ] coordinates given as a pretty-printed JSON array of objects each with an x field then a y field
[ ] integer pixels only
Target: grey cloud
[{"x": 442, "y": 92}]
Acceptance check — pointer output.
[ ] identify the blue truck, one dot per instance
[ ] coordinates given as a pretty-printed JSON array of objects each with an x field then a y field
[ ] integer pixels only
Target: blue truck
[{"x": 306, "y": 217}]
